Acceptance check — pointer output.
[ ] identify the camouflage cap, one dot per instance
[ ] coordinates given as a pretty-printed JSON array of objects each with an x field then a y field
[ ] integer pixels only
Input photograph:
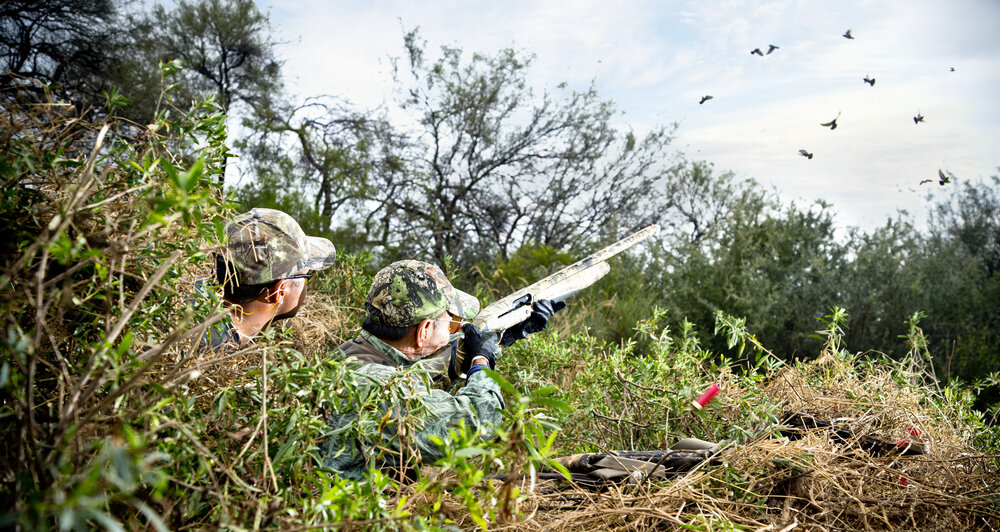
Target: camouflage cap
[
  {"x": 264, "y": 245},
  {"x": 407, "y": 292}
]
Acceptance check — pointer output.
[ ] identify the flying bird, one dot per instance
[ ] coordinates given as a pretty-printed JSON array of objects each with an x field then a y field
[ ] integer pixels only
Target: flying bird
[
  {"x": 771, "y": 48},
  {"x": 847, "y": 35},
  {"x": 870, "y": 80},
  {"x": 705, "y": 98},
  {"x": 952, "y": 69},
  {"x": 943, "y": 179},
  {"x": 925, "y": 181},
  {"x": 832, "y": 124},
  {"x": 919, "y": 118},
  {"x": 805, "y": 154},
  {"x": 757, "y": 51}
]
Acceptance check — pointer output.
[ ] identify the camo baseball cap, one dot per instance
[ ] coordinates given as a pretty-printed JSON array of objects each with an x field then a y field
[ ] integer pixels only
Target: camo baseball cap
[
  {"x": 407, "y": 292},
  {"x": 264, "y": 245}
]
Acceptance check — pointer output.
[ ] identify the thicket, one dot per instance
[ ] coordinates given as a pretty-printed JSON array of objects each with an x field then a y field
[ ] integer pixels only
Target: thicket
[
  {"x": 522, "y": 179},
  {"x": 111, "y": 420}
]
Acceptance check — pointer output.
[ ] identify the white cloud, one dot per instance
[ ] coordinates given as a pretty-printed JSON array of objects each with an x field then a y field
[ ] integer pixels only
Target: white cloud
[{"x": 656, "y": 59}]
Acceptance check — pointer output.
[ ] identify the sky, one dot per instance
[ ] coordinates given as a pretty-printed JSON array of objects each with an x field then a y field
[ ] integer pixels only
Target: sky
[{"x": 656, "y": 59}]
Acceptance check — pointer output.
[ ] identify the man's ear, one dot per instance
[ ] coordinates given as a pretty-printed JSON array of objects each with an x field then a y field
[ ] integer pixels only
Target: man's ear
[
  {"x": 277, "y": 293},
  {"x": 423, "y": 332}
]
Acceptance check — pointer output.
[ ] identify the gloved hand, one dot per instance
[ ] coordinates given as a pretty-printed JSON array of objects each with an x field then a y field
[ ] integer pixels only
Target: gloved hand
[
  {"x": 543, "y": 309},
  {"x": 478, "y": 344}
]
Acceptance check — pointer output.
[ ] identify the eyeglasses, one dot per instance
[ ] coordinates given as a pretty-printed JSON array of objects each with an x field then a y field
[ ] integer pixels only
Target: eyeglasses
[
  {"x": 307, "y": 276},
  {"x": 454, "y": 323}
]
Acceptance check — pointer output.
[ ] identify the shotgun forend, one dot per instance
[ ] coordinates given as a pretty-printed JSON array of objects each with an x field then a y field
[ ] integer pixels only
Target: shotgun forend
[{"x": 516, "y": 307}]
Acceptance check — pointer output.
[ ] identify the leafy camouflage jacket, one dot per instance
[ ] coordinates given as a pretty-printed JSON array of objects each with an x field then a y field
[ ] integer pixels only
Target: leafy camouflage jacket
[{"x": 389, "y": 385}]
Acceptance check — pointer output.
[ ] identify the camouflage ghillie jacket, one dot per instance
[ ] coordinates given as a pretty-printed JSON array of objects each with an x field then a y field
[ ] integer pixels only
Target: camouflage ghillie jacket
[{"x": 400, "y": 386}]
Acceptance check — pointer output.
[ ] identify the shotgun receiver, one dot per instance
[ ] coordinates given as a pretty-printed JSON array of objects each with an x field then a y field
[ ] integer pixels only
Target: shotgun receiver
[{"x": 516, "y": 307}]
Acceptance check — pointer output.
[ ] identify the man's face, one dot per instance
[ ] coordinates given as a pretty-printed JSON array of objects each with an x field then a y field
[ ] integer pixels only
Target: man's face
[{"x": 440, "y": 335}]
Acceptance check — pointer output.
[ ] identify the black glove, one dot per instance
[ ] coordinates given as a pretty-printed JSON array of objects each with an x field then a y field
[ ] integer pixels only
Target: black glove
[
  {"x": 478, "y": 344},
  {"x": 543, "y": 309}
]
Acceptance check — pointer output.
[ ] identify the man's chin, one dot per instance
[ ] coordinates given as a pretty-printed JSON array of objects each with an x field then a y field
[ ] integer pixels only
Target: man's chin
[
  {"x": 428, "y": 355},
  {"x": 289, "y": 314}
]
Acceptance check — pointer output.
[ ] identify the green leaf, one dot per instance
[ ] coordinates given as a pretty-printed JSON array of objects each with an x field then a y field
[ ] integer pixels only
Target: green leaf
[
  {"x": 554, "y": 464},
  {"x": 469, "y": 452},
  {"x": 544, "y": 391},
  {"x": 188, "y": 180},
  {"x": 504, "y": 385},
  {"x": 551, "y": 403}
]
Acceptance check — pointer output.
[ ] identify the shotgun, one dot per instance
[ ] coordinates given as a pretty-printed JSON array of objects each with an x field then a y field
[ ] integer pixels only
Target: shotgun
[{"x": 516, "y": 307}]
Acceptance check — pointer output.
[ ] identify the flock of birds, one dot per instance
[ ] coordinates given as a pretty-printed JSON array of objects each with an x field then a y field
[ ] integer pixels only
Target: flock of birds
[{"x": 943, "y": 179}]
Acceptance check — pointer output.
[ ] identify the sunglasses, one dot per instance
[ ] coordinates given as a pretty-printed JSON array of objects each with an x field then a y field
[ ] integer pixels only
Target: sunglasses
[
  {"x": 307, "y": 276},
  {"x": 454, "y": 323}
]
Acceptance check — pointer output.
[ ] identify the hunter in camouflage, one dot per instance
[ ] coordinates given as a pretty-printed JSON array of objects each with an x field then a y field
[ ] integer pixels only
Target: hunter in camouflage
[
  {"x": 263, "y": 268},
  {"x": 409, "y": 291},
  {"x": 409, "y": 337},
  {"x": 265, "y": 245}
]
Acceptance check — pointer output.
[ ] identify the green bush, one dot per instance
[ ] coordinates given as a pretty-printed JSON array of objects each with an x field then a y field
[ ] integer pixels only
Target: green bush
[{"x": 109, "y": 224}]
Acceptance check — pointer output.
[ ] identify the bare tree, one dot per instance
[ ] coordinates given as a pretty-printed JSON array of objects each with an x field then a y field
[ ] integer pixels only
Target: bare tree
[
  {"x": 496, "y": 168},
  {"x": 483, "y": 168},
  {"x": 325, "y": 152}
]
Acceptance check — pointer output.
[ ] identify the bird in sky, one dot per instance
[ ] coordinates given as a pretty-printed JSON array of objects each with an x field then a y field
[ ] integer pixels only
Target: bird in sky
[
  {"x": 847, "y": 35},
  {"x": 919, "y": 118},
  {"x": 943, "y": 179},
  {"x": 870, "y": 80},
  {"x": 805, "y": 154},
  {"x": 757, "y": 51},
  {"x": 832, "y": 124},
  {"x": 952, "y": 69},
  {"x": 771, "y": 48},
  {"x": 925, "y": 181},
  {"x": 705, "y": 98}
]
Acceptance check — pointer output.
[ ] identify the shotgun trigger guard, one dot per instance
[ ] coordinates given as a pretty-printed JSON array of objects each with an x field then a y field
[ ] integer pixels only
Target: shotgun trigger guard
[
  {"x": 525, "y": 300},
  {"x": 522, "y": 301}
]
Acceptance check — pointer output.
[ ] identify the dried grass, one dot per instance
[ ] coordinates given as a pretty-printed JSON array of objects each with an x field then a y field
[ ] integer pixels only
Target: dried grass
[
  {"x": 770, "y": 483},
  {"x": 811, "y": 483}
]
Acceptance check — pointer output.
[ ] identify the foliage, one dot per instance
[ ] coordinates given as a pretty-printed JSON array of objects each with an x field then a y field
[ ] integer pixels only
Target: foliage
[
  {"x": 485, "y": 168},
  {"x": 316, "y": 161},
  {"x": 119, "y": 424},
  {"x": 499, "y": 168},
  {"x": 113, "y": 421},
  {"x": 225, "y": 46},
  {"x": 106, "y": 231},
  {"x": 58, "y": 44},
  {"x": 961, "y": 258},
  {"x": 623, "y": 400},
  {"x": 620, "y": 399}
]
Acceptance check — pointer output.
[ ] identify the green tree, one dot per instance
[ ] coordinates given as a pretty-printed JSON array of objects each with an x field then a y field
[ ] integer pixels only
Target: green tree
[
  {"x": 777, "y": 266},
  {"x": 225, "y": 45},
  {"x": 63, "y": 43},
  {"x": 960, "y": 274},
  {"x": 880, "y": 284},
  {"x": 316, "y": 161}
]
